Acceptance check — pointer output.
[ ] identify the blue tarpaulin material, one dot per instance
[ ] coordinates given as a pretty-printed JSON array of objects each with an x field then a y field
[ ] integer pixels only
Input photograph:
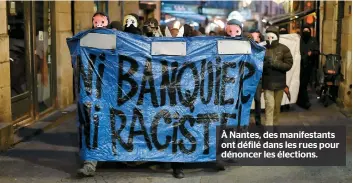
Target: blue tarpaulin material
[{"x": 138, "y": 106}]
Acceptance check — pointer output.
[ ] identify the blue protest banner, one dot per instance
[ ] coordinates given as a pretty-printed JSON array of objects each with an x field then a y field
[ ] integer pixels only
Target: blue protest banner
[{"x": 160, "y": 99}]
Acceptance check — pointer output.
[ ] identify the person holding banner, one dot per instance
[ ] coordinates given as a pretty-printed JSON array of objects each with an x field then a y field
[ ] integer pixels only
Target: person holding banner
[
  {"x": 256, "y": 36},
  {"x": 131, "y": 24},
  {"x": 234, "y": 28},
  {"x": 152, "y": 29},
  {"x": 116, "y": 25},
  {"x": 99, "y": 20},
  {"x": 278, "y": 60}
]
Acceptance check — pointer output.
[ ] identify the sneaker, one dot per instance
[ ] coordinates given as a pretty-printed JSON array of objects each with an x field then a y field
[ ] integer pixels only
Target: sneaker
[
  {"x": 86, "y": 171},
  {"x": 220, "y": 167},
  {"x": 178, "y": 173}
]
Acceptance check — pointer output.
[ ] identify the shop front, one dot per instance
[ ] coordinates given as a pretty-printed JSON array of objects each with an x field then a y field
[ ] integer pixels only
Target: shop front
[
  {"x": 300, "y": 13},
  {"x": 32, "y": 65},
  {"x": 210, "y": 15}
]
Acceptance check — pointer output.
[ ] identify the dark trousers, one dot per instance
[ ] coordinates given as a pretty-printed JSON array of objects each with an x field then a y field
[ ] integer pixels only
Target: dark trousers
[
  {"x": 177, "y": 165},
  {"x": 303, "y": 96},
  {"x": 257, "y": 100}
]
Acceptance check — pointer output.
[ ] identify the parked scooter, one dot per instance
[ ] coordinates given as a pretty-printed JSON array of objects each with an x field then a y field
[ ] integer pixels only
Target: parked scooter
[{"x": 329, "y": 79}]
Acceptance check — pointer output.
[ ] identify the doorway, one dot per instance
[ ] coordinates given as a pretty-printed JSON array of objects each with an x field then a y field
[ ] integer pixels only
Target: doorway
[{"x": 31, "y": 63}]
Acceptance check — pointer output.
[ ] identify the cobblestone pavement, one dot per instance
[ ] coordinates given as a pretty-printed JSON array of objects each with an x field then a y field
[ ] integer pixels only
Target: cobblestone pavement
[{"x": 52, "y": 157}]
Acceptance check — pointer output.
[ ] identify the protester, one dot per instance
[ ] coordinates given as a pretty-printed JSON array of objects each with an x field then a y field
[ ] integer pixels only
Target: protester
[
  {"x": 234, "y": 28},
  {"x": 176, "y": 31},
  {"x": 188, "y": 30},
  {"x": 278, "y": 60},
  {"x": 256, "y": 36},
  {"x": 202, "y": 30},
  {"x": 151, "y": 28},
  {"x": 196, "y": 33},
  {"x": 222, "y": 33},
  {"x": 283, "y": 29},
  {"x": 99, "y": 20},
  {"x": 131, "y": 24},
  {"x": 212, "y": 33},
  {"x": 309, "y": 50},
  {"x": 116, "y": 25}
]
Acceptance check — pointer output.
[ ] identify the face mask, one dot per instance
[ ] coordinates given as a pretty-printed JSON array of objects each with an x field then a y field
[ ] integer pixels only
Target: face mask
[
  {"x": 152, "y": 30},
  {"x": 174, "y": 32},
  {"x": 233, "y": 30},
  {"x": 100, "y": 21},
  {"x": 256, "y": 37},
  {"x": 271, "y": 38},
  {"x": 130, "y": 20},
  {"x": 306, "y": 35}
]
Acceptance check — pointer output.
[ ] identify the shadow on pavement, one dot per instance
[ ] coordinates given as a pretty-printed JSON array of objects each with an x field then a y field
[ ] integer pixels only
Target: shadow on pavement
[
  {"x": 65, "y": 161},
  {"x": 54, "y": 138}
]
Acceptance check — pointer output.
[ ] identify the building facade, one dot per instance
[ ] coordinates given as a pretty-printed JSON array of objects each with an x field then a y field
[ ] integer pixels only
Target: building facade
[
  {"x": 36, "y": 75},
  {"x": 331, "y": 24},
  {"x": 336, "y": 38}
]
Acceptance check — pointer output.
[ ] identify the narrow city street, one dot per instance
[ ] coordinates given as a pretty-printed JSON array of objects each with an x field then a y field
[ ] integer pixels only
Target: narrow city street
[
  {"x": 52, "y": 157},
  {"x": 168, "y": 72}
]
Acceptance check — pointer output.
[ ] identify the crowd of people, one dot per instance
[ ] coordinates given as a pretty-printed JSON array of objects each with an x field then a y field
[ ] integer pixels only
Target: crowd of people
[{"x": 277, "y": 61}]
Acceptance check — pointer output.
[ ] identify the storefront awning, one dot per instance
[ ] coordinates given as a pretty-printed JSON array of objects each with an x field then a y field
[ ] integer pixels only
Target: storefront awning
[{"x": 289, "y": 17}]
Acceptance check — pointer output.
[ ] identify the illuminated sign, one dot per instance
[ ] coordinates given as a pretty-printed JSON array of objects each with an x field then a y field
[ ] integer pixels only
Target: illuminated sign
[{"x": 214, "y": 11}]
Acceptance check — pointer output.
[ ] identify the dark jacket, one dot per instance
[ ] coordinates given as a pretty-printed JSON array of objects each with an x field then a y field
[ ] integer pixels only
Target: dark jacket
[
  {"x": 308, "y": 43},
  {"x": 278, "y": 60},
  {"x": 305, "y": 47}
]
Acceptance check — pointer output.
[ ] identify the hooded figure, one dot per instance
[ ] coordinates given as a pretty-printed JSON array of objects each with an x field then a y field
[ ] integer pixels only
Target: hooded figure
[
  {"x": 212, "y": 33},
  {"x": 100, "y": 20},
  {"x": 188, "y": 30},
  {"x": 130, "y": 24},
  {"x": 309, "y": 51},
  {"x": 283, "y": 29},
  {"x": 234, "y": 28},
  {"x": 278, "y": 60},
  {"x": 116, "y": 25},
  {"x": 151, "y": 28},
  {"x": 256, "y": 36}
]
